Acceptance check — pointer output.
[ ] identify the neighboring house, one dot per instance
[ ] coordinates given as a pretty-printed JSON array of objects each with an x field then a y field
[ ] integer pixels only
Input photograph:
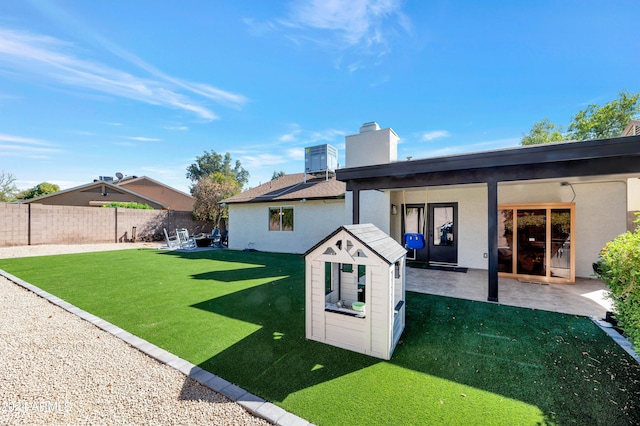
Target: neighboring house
[
  {"x": 288, "y": 214},
  {"x": 150, "y": 188},
  {"x": 141, "y": 190},
  {"x": 632, "y": 129},
  {"x": 539, "y": 213}
]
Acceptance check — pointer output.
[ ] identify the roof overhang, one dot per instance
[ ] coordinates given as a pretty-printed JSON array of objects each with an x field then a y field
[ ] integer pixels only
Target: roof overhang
[{"x": 615, "y": 156}]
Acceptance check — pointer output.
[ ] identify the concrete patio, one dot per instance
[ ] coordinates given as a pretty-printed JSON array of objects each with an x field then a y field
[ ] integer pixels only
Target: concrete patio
[{"x": 587, "y": 297}]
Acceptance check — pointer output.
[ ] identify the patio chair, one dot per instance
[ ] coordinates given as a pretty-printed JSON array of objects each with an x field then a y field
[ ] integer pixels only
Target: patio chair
[
  {"x": 186, "y": 242},
  {"x": 172, "y": 242},
  {"x": 215, "y": 237}
]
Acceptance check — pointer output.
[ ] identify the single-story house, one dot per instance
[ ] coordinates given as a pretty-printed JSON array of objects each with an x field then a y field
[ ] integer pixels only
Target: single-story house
[
  {"x": 288, "y": 214},
  {"x": 539, "y": 213},
  {"x": 103, "y": 191},
  {"x": 150, "y": 188}
]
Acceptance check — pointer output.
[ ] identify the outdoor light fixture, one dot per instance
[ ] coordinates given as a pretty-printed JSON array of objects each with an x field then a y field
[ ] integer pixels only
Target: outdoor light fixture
[{"x": 394, "y": 209}]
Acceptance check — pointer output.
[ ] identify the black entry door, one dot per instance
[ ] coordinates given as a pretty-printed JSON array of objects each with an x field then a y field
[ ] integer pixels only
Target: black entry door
[{"x": 442, "y": 238}]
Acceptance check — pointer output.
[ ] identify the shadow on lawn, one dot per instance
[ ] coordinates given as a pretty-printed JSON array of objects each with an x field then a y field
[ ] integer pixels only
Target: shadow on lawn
[
  {"x": 562, "y": 364},
  {"x": 558, "y": 363},
  {"x": 276, "y": 360}
]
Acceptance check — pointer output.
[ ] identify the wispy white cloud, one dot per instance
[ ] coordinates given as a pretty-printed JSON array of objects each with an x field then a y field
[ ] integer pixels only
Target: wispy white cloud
[
  {"x": 53, "y": 61},
  {"x": 181, "y": 128},
  {"x": 292, "y": 134},
  {"x": 261, "y": 160},
  {"x": 327, "y": 135},
  {"x": 11, "y": 145},
  {"x": 142, "y": 138},
  {"x": 358, "y": 22},
  {"x": 304, "y": 137},
  {"x": 295, "y": 153},
  {"x": 337, "y": 25},
  {"x": 434, "y": 134},
  {"x": 496, "y": 144},
  {"x": 21, "y": 140}
]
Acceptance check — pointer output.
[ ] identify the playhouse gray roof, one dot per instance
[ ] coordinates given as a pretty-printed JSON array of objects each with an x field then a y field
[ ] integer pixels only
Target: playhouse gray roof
[{"x": 372, "y": 237}]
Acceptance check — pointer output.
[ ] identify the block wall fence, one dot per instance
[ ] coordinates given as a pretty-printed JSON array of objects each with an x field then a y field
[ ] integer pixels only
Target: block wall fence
[{"x": 37, "y": 224}]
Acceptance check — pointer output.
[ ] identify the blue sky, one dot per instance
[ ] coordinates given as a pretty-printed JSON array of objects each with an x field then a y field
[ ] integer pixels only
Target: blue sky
[{"x": 142, "y": 87}]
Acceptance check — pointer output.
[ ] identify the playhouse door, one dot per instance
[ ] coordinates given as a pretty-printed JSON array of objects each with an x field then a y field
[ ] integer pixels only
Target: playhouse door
[{"x": 443, "y": 233}]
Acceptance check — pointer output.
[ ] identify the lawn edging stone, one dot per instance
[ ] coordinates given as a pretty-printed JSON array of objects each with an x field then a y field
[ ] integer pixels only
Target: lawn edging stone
[
  {"x": 622, "y": 341},
  {"x": 252, "y": 403}
]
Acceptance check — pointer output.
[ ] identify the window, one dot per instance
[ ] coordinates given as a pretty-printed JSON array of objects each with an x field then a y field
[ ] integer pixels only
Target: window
[
  {"x": 328, "y": 278},
  {"x": 362, "y": 283},
  {"x": 281, "y": 219}
]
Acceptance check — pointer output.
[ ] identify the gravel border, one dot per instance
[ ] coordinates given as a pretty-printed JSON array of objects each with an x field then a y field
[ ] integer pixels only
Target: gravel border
[{"x": 59, "y": 369}]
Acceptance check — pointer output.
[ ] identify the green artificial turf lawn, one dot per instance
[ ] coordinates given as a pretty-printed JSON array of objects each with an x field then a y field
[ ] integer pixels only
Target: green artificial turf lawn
[{"x": 240, "y": 315}]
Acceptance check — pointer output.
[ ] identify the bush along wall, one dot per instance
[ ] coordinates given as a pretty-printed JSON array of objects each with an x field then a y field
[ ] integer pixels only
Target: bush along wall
[
  {"x": 619, "y": 268},
  {"x": 130, "y": 205}
]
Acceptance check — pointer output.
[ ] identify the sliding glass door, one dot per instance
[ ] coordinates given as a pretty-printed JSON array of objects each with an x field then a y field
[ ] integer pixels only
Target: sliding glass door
[{"x": 534, "y": 241}]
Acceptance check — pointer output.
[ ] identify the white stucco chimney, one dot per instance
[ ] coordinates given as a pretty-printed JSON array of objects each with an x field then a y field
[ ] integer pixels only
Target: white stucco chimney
[{"x": 372, "y": 145}]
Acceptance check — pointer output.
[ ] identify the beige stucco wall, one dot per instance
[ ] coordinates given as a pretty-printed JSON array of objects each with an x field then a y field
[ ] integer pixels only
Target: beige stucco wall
[
  {"x": 373, "y": 147},
  {"x": 601, "y": 212},
  {"x": 375, "y": 207},
  {"x": 633, "y": 192},
  {"x": 472, "y": 218},
  {"x": 312, "y": 222},
  {"x": 633, "y": 200}
]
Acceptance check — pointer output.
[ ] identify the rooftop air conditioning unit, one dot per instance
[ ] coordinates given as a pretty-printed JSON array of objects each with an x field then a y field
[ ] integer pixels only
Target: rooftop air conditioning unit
[
  {"x": 320, "y": 159},
  {"x": 106, "y": 178}
]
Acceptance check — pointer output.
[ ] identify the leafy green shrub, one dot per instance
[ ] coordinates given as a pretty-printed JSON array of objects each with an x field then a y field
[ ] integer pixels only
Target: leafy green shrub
[
  {"x": 619, "y": 268},
  {"x": 131, "y": 205}
]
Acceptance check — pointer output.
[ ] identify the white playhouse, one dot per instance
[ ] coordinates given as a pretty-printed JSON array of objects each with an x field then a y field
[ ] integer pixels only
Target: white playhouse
[{"x": 355, "y": 290}]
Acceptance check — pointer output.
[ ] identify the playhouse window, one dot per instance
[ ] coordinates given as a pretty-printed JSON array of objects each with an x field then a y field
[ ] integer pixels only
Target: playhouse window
[
  {"x": 344, "y": 285},
  {"x": 281, "y": 219},
  {"x": 328, "y": 278},
  {"x": 362, "y": 282}
]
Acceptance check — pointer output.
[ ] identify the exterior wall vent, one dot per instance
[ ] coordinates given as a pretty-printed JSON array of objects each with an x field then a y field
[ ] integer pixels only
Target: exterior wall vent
[{"x": 320, "y": 159}]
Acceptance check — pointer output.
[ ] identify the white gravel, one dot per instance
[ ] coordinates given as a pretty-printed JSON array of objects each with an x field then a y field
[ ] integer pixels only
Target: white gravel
[{"x": 59, "y": 369}]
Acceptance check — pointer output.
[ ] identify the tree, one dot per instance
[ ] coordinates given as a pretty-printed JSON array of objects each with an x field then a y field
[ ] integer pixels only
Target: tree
[
  {"x": 543, "y": 132},
  {"x": 8, "y": 189},
  {"x": 39, "y": 190},
  {"x": 593, "y": 122},
  {"x": 212, "y": 162},
  {"x": 208, "y": 192},
  {"x": 608, "y": 121},
  {"x": 276, "y": 175}
]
